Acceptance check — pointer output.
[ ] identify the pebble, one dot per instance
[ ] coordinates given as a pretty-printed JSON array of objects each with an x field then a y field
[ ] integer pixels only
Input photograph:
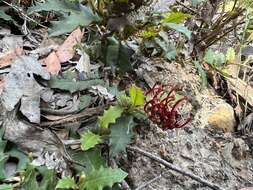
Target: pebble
[{"x": 222, "y": 117}]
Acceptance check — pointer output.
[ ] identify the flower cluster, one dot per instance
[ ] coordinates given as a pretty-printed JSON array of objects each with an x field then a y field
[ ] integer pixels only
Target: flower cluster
[{"x": 162, "y": 106}]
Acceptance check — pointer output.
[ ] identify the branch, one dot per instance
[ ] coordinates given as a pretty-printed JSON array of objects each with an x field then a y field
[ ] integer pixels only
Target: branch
[
  {"x": 149, "y": 182},
  {"x": 187, "y": 7},
  {"x": 175, "y": 168},
  {"x": 87, "y": 114},
  {"x": 23, "y": 14}
]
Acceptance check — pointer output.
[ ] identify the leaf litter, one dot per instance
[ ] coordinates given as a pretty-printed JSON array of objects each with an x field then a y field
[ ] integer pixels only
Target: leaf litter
[{"x": 64, "y": 98}]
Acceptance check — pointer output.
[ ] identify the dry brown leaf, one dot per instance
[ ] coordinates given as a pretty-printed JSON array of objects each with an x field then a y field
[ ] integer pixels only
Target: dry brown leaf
[
  {"x": 53, "y": 65},
  {"x": 8, "y": 57},
  {"x": 66, "y": 51}
]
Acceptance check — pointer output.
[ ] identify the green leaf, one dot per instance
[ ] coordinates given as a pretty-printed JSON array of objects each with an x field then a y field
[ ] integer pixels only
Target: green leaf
[
  {"x": 85, "y": 101},
  {"x": 169, "y": 49},
  {"x": 71, "y": 22},
  {"x": 3, "y": 160},
  {"x": 92, "y": 159},
  {"x": 49, "y": 179},
  {"x": 3, "y": 157},
  {"x": 71, "y": 85},
  {"x": 209, "y": 57},
  {"x": 110, "y": 116},
  {"x": 104, "y": 177},
  {"x": 201, "y": 72},
  {"x": 89, "y": 140},
  {"x": 23, "y": 160},
  {"x": 6, "y": 187},
  {"x": 54, "y": 5},
  {"x": 230, "y": 56},
  {"x": 175, "y": 17},
  {"x": 4, "y": 16},
  {"x": 30, "y": 181},
  {"x": 179, "y": 28},
  {"x": 118, "y": 55},
  {"x": 219, "y": 59},
  {"x": 196, "y": 2},
  {"x": 121, "y": 134},
  {"x": 77, "y": 15},
  {"x": 2, "y": 142},
  {"x": 66, "y": 183},
  {"x": 136, "y": 95}
]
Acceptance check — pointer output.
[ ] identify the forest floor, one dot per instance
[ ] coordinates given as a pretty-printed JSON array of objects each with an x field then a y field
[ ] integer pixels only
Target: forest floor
[
  {"x": 53, "y": 93},
  {"x": 222, "y": 158}
]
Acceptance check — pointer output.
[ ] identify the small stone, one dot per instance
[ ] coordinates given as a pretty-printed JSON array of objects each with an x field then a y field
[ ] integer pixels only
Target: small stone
[
  {"x": 240, "y": 149},
  {"x": 223, "y": 118}
]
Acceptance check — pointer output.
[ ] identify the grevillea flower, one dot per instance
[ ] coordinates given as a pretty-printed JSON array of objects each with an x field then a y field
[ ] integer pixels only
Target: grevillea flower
[{"x": 161, "y": 107}]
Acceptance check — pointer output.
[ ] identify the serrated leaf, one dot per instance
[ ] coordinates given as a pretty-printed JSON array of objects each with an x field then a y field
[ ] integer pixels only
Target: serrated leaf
[
  {"x": 92, "y": 159},
  {"x": 110, "y": 116},
  {"x": 49, "y": 179},
  {"x": 230, "y": 56},
  {"x": 6, "y": 187},
  {"x": 30, "y": 181},
  {"x": 67, "y": 183},
  {"x": 71, "y": 85},
  {"x": 175, "y": 17},
  {"x": 136, "y": 95},
  {"x": 89, "y": 140},
  {"x": 179, "y": 28},
  {"x": 104, "y": 177},
  {"x": 121, "y": 134}
]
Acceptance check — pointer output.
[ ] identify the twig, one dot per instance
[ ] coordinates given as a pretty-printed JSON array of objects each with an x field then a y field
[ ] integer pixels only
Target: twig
[
  {"x": 84, "y": 115},
  {"x": 64, "y": 151},
  {"x": 175, "y": 168},
  {"x": 149, "y": 182},
  {"x": 23, "y": 14},
  {"x": 190, "y": 9}
]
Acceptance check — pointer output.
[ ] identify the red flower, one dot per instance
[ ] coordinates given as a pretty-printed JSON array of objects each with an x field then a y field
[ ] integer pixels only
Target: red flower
[{"x": 161, "y": 108}]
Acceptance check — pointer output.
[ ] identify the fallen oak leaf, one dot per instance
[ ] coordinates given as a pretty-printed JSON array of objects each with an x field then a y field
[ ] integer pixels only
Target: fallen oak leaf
[
  {"x": 66, "y": 51},
  {"x": 8, "y": 57}
]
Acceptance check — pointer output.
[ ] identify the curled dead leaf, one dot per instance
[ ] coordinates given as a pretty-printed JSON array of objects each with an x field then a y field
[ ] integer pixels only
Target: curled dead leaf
[
  {"x": 8, "y": 57},
  {"x": 66, "y": 51},
  {"x": 52, "y": 63}
]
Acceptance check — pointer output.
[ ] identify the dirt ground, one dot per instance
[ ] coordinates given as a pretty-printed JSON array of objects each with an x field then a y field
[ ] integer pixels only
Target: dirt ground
[{"x": 225, "y": 159}]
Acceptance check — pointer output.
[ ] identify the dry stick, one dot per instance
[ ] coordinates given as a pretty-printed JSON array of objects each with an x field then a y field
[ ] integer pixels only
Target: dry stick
[
  {"x": 149, "y": 182},
  {"x": 23, "y": 14},
  {"x": 175, "y": 168},
  {"x": 187, "y": 7},
  {"x": 84, "y": 115},
  {"x": 229, "y": 29}
]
